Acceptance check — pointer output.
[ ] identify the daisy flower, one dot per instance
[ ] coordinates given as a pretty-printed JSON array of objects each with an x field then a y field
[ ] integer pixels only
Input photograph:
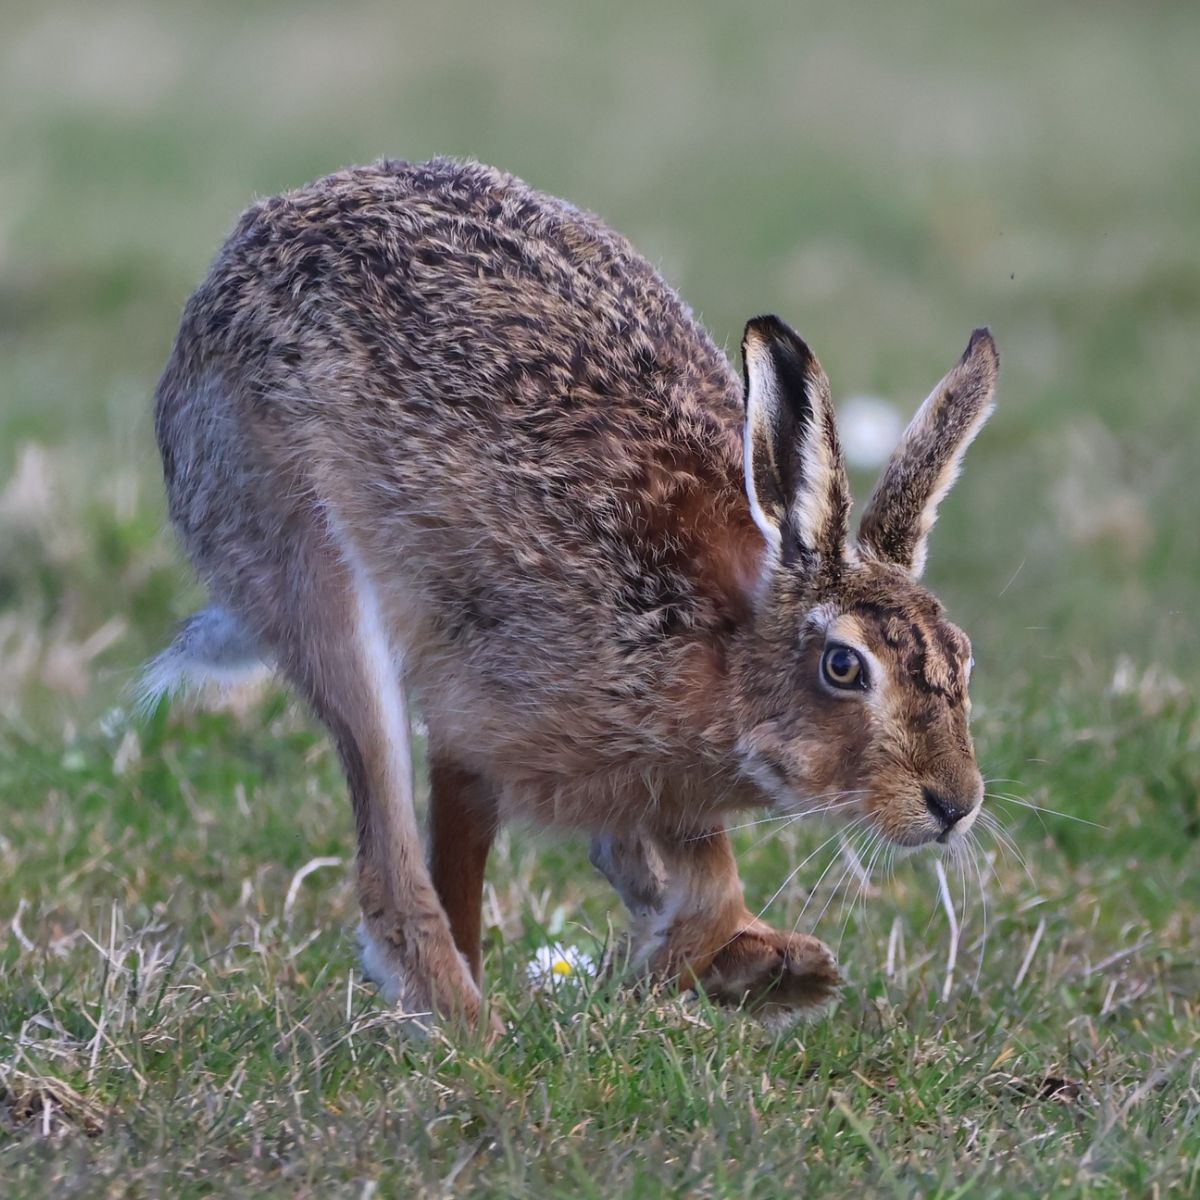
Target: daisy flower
[{"x": 555, "y": 962}]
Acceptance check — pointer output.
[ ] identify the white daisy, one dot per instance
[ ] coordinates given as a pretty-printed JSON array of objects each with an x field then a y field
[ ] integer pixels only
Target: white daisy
[{"x": 555, "y": 962}]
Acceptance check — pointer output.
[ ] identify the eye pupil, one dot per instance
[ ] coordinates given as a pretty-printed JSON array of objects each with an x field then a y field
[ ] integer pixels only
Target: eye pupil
[{"x": 843, "y": 667}]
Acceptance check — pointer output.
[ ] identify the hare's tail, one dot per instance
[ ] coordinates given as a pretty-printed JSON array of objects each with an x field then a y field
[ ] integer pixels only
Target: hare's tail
[{"x": 211, "y": 647}]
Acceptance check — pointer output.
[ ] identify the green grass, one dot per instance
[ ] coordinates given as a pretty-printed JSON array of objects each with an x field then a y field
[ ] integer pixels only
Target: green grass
[{"x": 180, "y": 1008}]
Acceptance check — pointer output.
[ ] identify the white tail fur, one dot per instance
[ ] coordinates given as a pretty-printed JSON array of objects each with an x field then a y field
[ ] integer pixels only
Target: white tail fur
[{"x": 211, "y": 648}]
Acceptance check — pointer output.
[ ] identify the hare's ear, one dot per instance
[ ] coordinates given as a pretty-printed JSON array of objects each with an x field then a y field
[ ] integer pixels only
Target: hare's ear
[
  {"x": 795, "y": 477},
  {"x": 903, "y": 508}
]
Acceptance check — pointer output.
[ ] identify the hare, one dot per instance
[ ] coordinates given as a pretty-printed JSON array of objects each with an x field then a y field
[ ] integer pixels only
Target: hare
[{"x": 431, "y": 436}]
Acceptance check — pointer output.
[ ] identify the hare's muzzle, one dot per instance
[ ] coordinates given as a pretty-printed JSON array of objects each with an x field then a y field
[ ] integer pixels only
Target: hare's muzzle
[{"x": 948, "y": 811}]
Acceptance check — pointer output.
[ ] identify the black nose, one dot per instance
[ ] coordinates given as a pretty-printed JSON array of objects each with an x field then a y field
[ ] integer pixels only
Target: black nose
[{"x": 947, "y": 811}]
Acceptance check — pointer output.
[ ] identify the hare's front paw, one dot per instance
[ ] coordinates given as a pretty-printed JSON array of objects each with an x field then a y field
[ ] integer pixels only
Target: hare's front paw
[{"x": 776, "y": 975}]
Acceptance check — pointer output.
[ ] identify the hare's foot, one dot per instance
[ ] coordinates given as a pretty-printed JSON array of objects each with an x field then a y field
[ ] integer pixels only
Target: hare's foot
[
  {"x": 691, "y": 925},
  {"x": 773, "y": 974},
  {"x": 424, "y": 976}
]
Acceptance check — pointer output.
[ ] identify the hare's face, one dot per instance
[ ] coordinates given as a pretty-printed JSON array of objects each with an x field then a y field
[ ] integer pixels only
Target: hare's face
[
  {"x": 868, "y": 710},
  {"x": 852, "y": 683}
]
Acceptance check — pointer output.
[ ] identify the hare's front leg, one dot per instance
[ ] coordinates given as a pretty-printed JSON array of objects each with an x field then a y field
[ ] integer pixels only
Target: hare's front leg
[
  {"x": 462, "y": 827},
  {"x": 691, "y": 923}
]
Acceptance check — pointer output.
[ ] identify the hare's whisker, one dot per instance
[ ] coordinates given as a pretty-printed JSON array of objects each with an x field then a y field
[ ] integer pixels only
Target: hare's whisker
[
  {"x": 833, "y": 891},
  {"x": 1012, "y": 579},
  {"x": 794, "y": 817},
  {"x": 1002, "y": 779},
  {"x": 833, "y": 858},
  {"x": 1006, "y": 846},
  {"x": 789, "y": 818},
  {"x": 852, "y": 857},
  {"x": 875, "y": 848},
  {"x": 792, "y": 875},
  {"x": 800, "y": 865},
  {"x": 983, "y": 906},
  {"x": 1001, "y": 835},
  {"x": 1005, "y": 797}
]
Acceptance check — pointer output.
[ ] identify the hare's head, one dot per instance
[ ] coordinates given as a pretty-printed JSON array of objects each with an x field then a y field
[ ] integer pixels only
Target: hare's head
[{"x": 852, "y": 682}]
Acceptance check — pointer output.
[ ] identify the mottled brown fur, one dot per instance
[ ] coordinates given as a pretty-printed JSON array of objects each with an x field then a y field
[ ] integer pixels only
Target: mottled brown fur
[{"x": 422, "y": 423}]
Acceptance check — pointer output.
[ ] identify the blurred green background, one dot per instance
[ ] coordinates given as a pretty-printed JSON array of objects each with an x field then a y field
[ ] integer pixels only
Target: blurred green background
[
  {"x": 885, "y": 179},
  {"x": 883, "y": 176}
]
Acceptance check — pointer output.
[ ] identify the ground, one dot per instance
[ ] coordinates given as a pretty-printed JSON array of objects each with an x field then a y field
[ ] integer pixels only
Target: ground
[{"x": 181, "y": 1012}]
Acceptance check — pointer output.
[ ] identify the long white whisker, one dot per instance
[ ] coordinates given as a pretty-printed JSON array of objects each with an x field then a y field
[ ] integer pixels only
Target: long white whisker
[
  {"x": 816, "y": 886},
  {"x": 855, "y": 860},
  {"x": 771, "y": 833},
  {"x": 862, "y": 877},
  {"x": 1004, "y": 797},
  {"x": 989, "y": 861},
  {"x": 875, "y": 849},
  {"x": 833, "y": 891},
  {"x": 984, "y": 916},
  {"x": 799, "y": 816},
  {"x": 790, "y": 818},
  {"x": 1006, "y": 844},
  {"x": 792, "y": 875},
  {"x": 803, "y": 863},
  {"x": 1005, "y": 841}
]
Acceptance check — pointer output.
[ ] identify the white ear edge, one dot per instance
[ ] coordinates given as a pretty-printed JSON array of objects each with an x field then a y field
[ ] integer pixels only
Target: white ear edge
[
  {"x": 762, "y": 411},
  {"x": 946, "y": 479},
  {"x": 766, "y": 526}
]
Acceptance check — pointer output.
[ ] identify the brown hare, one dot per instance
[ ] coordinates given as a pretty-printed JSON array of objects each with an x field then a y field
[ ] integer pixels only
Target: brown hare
[{"x": 429, "y": 435}]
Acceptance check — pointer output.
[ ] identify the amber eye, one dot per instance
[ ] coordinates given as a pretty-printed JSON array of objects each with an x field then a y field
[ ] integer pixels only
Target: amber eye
[{"x": 842, "y": 667}]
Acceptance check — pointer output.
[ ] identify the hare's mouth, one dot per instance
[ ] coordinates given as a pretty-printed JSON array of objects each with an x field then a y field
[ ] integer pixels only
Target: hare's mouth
[{"x": 934, "y": 819}]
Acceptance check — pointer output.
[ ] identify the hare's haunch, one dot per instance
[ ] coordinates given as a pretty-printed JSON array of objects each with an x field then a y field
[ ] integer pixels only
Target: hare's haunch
[{"x": 428, "y": 434}]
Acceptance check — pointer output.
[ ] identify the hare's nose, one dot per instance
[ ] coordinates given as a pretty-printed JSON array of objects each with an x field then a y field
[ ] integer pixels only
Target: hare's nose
[{"x": 946, "y": 811}]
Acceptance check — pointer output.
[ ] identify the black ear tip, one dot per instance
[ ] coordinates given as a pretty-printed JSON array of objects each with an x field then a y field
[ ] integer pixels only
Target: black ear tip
[
  {"x": 982, "y": 342},
  {"x": 778, "y": 336},
  {"x": 765, "y": 328}
]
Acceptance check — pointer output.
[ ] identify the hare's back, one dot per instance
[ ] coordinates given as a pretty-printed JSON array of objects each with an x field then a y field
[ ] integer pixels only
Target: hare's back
[
  {"x": 507, "y": 404},
  {"x": 462, "y": 297}
]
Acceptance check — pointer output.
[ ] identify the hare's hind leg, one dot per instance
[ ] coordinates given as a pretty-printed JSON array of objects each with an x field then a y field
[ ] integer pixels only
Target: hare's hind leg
[
  {"x": 310, "y": 600},
  {"x": 407, "y": 941},
  {"x": 462, "y": 826},
  {"x": 691, "y": 924}
]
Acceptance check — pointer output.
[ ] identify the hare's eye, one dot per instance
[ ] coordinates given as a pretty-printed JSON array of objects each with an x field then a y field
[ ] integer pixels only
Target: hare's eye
[{"x": 842, "y": 667}]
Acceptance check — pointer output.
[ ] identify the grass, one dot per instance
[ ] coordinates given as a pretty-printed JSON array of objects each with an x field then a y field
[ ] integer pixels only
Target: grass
[{"x": 180, "y": 1007}]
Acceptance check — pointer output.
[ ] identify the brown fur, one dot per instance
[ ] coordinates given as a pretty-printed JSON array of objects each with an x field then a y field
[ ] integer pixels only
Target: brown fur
[
  {"x": 461, "y": 830},
  {"x": 423, "y": 424},
  {"x": 901, "y": 511}
]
